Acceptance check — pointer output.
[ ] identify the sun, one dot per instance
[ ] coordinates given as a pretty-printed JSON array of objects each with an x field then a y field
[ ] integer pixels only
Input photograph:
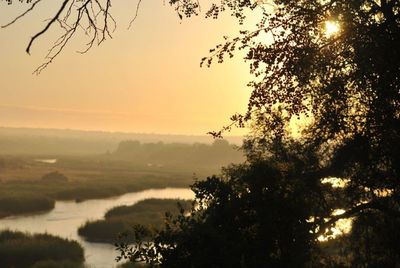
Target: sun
[{"x": 331, "y": 28}]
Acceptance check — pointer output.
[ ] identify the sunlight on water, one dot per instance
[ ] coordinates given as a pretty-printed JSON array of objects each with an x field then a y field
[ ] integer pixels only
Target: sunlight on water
[
  {"x": 342, "y": 226},
  {"x": 47, "y": 161}
]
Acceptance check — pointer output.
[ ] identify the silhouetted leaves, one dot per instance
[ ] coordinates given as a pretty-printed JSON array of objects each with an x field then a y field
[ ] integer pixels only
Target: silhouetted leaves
[{"x": 271, "y": 210}]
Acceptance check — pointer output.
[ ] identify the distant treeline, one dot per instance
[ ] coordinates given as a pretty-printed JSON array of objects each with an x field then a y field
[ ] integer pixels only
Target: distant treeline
[
  {"x": 53, "y": 145},
  {"x": 71, "y": 142},
  {"x": 219, "y": 153}
]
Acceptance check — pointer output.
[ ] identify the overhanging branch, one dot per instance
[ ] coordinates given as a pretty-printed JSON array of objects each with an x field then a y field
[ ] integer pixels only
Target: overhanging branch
[{"x": 51, "y": 22}]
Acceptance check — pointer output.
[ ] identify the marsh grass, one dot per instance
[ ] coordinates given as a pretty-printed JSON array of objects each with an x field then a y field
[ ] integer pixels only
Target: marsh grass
[
  {"x": 150, "y": 213},
  {"x": 12, "y": 203},
  {"x": 21, "y": 250},
  {"x": 88, "y": 178}
]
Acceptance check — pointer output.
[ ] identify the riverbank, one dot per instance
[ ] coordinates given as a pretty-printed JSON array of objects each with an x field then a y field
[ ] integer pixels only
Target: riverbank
[
  {"x": 150, "y": 213},
  {"x": 26, "y": 188},
  {"x": 21, "y": 250},
  {"x": 67, "y": 216},
  {"x": 34, "y": 197},
  {"x": 24, "y": 203}
]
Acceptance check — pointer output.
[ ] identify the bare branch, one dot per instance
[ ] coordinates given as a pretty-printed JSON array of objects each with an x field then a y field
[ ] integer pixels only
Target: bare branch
[
  {"x": 22, "y": 15},
  {"x": 54, "y": 19},
  {"x": 93, "y": 17},
  {"x": 379, "y": 204},
  {"x": 136, "y": 13}
]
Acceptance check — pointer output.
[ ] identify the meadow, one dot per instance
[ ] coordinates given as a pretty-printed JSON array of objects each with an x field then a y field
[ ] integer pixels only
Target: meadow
[{"x": 22, "y": 189}]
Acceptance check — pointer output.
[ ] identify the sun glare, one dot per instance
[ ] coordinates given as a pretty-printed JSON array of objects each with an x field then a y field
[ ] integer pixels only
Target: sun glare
[{"x": 331, "y": 28}]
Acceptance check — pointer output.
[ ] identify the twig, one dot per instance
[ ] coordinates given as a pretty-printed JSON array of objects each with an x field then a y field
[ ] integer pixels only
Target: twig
[
  {"x": 54, "y": 19},
  {"x": 136, "y": 14},
  {"x": 22, "y": 15}
]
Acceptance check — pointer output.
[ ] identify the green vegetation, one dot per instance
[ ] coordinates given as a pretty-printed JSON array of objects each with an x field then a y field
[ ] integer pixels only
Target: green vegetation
[
  {"x": 54, "y": 176},
  {"x": 23, "y": 202},
  {"x": 160, "y": 154},
  {"x": 38, "y": 141},
  {"x": 18, "y": 197},
  {"x": 341, "y": 86},
  {"x": 105, "y": 231},
  {"x": 149, "y": 213},
  {"x": 23, "y": 191},
  {"x": 20, "y": 250},
  {"x": 271, "y": 210},
  {"x": 28, "y": 185}
]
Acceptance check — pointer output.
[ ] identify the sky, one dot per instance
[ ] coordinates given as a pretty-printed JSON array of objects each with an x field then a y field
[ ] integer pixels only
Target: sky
[{"x": 146, "y": 79}]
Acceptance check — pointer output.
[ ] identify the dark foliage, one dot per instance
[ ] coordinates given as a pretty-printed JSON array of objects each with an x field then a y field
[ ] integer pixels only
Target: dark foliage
[
  {"x": 257, "y": 214},
  {"x": 271, "y": 210},
  {"x": 54, "y": 176}
]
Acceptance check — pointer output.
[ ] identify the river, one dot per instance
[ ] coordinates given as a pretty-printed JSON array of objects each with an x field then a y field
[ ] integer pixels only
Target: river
[{"x": 67, "y": 216}]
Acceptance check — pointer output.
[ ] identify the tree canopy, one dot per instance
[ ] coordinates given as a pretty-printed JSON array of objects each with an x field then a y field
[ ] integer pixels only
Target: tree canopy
[{"x": 337, "y": 64}]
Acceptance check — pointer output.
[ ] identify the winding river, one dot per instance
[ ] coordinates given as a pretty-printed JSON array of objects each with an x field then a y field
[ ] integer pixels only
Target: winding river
[{"x": 67, "y": 216}]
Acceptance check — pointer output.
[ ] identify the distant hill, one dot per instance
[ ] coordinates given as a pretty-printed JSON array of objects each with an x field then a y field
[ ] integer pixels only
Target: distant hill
[{"x": 38, "y": 141}]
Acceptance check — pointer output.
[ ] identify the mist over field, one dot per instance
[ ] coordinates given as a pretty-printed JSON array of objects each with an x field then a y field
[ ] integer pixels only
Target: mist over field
[
  {"x": 41, "y": 170},
  {"x": 37, "y": 141}
]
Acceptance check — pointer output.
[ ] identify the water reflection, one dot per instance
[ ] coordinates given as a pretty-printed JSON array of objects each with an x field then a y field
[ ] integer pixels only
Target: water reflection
[
  {"x": 67, "y": 216},
  {"x": 47, "y": 161}
]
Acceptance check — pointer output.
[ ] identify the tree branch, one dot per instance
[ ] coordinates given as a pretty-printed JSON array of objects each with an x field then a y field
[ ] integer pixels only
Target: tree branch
[
  {"x": 54, "y": 19},
  {"x": 136, "y": 13},
  {"x": 22, "y": 15},
  {"x": 375, "y": 204}
]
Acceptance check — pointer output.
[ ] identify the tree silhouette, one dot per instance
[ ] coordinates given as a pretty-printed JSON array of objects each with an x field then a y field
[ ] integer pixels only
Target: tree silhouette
[
  {"x": 93, "y": 17},
  {"x": 263, "y": 213},
  {"x": 337, "y": 63}
]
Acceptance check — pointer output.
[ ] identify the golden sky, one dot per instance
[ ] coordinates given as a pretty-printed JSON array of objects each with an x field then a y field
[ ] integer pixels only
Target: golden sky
[{"x": 146, "y": 79}]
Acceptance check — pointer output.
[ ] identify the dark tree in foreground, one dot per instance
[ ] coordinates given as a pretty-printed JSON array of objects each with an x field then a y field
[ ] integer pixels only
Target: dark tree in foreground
[
  {"x": 263, "y": 213},
  {"x": 337, "y": 63}
]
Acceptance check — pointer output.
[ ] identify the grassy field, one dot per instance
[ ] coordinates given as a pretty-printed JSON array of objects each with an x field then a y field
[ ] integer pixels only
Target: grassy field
[
  {"x": 150, "y": 213},
  {"x": 20, "y": 250},
  {"x": 22, "y": 189},
  {"x": 133, "y": 265},
  {"x": 28, "y": 183}
]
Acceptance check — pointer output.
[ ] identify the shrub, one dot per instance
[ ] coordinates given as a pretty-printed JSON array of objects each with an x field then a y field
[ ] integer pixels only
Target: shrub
[{"x": 54, "y": 176}]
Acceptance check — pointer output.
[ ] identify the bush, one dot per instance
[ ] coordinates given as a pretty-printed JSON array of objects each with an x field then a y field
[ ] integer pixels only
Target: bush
[
  {"x": 54, "y": 176},
  {"x": 102, "y": 230}
]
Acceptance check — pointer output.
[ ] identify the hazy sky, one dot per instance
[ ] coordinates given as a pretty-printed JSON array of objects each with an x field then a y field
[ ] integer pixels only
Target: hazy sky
[{"x": 146, "y": 79}]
